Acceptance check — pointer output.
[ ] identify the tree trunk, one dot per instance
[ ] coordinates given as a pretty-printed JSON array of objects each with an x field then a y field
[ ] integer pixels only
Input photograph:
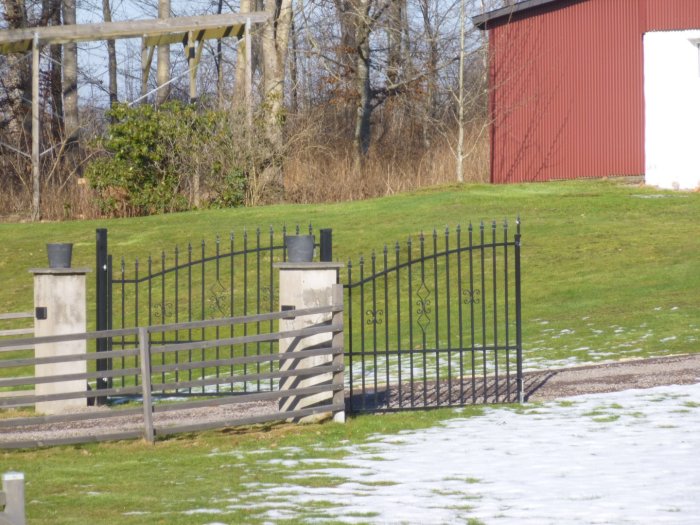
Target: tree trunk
[
  {"x": 395, "y": 37},
  {"x": 111, "y": 56},
  {"x": 239, "y": 92},
  {"x": 362, "y": 82},
  {"x": 460, "y": 115},
  {"x": 294, "y": 71},
  {"x": 51, "y": 15},
  {"x": 70, "y": 78},
  {"x": 18, "y": 79},
  {"x": 431, "y": 107},
  {"x": 275, "y": 40},
  {"x": 163, "y": 70},
  {"x": 219, "y": 61}
]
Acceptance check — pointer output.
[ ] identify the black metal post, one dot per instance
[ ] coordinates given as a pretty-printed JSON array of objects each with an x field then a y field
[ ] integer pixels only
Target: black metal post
[
  {"x": 518, "y": 320},
  {"x": 326, "y": 245},
  {"x": 103, "y": 277}
]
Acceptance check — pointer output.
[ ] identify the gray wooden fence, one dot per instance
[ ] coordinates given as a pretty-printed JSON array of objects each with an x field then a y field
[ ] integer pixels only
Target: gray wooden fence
[
  {"x": 179, "y": 385},
  {"x": 22, "y": 324},
  {"x": 16, "y": 331}
]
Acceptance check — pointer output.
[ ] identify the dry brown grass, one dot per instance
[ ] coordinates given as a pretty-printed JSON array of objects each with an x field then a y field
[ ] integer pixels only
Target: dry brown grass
[
  {"x": 326, "y": 174},
  {"x": 73, "y": 200},
  {"x": 315, "y": 170}
]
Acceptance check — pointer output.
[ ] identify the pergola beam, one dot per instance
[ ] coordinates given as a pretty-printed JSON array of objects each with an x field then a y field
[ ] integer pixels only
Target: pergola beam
[
  {"x": 216, "y": 33},
  {"x": 22, "y": 40}
]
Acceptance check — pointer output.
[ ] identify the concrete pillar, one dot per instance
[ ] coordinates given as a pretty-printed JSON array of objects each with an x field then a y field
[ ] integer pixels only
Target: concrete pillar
[
  {"x": 306, "y": 285},
  {"x": 13, "y": 489},
  {"x": 60, "y": 308}
]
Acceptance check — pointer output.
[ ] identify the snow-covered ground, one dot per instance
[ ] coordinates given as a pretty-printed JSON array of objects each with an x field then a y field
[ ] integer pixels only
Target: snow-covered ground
[{"x": 627, "y": 457}]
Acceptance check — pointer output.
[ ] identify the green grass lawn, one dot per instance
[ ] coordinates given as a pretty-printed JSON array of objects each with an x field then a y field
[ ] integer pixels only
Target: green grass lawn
[
  {"x": 610, "y": 271},
  {"x": 136, "y": 483}
]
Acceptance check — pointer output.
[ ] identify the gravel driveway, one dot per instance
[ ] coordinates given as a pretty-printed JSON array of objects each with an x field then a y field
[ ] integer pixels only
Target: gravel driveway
[
  {"x": 612, "y": 377},
  {"x": 539, "y": 386}
]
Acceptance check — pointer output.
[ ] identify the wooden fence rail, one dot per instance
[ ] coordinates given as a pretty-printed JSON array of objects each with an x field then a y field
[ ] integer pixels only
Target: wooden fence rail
[
  {"x": 13, "y": 332},
  {"x": 229, "y": 374}
]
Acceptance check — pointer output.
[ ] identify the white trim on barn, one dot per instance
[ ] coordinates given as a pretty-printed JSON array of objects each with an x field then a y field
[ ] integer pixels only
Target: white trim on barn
[{"x": 672, "y": 109}]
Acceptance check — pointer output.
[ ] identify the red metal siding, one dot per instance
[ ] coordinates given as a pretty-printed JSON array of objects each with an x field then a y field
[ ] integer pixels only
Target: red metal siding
[
  {"x": 567, "y": 96},
  {"x": 671, "y": 15}
]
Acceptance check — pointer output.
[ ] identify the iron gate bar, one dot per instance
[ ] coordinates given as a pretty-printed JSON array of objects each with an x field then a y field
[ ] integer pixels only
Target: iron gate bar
[
  {"x": 482, "y": 257},
  {"x": 410, "y": 320},
  {"x": 460, "y": 313},
  {"x": 386, "y": 315},
  {"x": 471, "y": 324},
  {"x": 437, "y": 319},
  {"x": 518, "y": 313},
  {"x": 449, "y": 325},
  {"x": 397, "y": 250},
  {"x": 495, "y": 304},
  {"x": 506, "y": 320}
]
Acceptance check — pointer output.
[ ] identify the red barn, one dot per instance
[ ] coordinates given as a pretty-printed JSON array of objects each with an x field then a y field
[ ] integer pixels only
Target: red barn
[{"x": 567, "y": 83}]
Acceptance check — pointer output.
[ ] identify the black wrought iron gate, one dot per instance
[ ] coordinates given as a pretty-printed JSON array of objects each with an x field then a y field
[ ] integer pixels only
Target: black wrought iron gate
[
  {"x": 433, "y": 322},
  {"x": 436, "y": 322},
  {"x": 233, "y": 277}
]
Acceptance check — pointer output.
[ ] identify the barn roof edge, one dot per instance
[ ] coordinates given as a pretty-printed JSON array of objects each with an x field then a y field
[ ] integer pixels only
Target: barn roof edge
[{"x": 481, "y": 20}]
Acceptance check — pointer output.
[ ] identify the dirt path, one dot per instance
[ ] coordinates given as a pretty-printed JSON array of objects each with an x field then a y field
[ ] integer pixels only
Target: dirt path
[{"x": 612, "y": 377}]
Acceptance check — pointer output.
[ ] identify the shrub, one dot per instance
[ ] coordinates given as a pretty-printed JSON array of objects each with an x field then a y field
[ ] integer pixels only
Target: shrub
[{"x": 166, "y": 159}]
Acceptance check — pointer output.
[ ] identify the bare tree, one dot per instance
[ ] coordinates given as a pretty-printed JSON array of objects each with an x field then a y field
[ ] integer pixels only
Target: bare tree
[{"x": 71, "y": 120}]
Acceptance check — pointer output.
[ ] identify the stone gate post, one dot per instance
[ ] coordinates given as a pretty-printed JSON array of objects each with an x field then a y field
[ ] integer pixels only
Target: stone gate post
[
  {"x": 60, "y": 308},
  {"x": 306, "y": 285}
]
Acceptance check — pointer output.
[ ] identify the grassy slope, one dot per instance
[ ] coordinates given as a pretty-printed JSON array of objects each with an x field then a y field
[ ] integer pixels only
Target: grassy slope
[
  {"x": 605, "y": 266},
  {"x": 610, "y": 270}
]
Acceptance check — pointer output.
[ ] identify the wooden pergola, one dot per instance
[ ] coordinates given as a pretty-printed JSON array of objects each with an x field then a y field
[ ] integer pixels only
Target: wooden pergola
[{"x": 191, "y": 31}]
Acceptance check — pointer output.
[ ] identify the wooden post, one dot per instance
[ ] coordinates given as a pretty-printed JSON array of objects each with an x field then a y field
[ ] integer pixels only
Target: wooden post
[
  {"x": 191, "y": 63},
  {"x": 163, "y": 68},
  {"x": 144, "y": 351},
  {"x": 146, "y": 61},
  {"x": 338, "y": 359},
  {"x": 36, "y": 181}
]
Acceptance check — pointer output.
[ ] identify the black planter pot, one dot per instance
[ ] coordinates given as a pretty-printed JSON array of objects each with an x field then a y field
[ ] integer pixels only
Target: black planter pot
[
  {"x": 300, "y": 248},
  {"x": 60, "y": 254}
]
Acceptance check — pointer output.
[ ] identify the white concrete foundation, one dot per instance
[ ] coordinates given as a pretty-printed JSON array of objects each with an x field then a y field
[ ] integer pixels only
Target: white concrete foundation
[
  {"x": 306, "y": 285},
  {"x": 62, "y": 293}
]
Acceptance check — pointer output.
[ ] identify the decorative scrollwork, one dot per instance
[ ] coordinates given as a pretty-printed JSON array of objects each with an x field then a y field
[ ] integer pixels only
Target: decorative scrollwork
[
  {"x": 160, "y": 311},
  {"x": 471, "y": 296},
  {"x": 375, "y": 316},
  {"x": 423, "y": 304},
  {"x": 219, "y": 299}
]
